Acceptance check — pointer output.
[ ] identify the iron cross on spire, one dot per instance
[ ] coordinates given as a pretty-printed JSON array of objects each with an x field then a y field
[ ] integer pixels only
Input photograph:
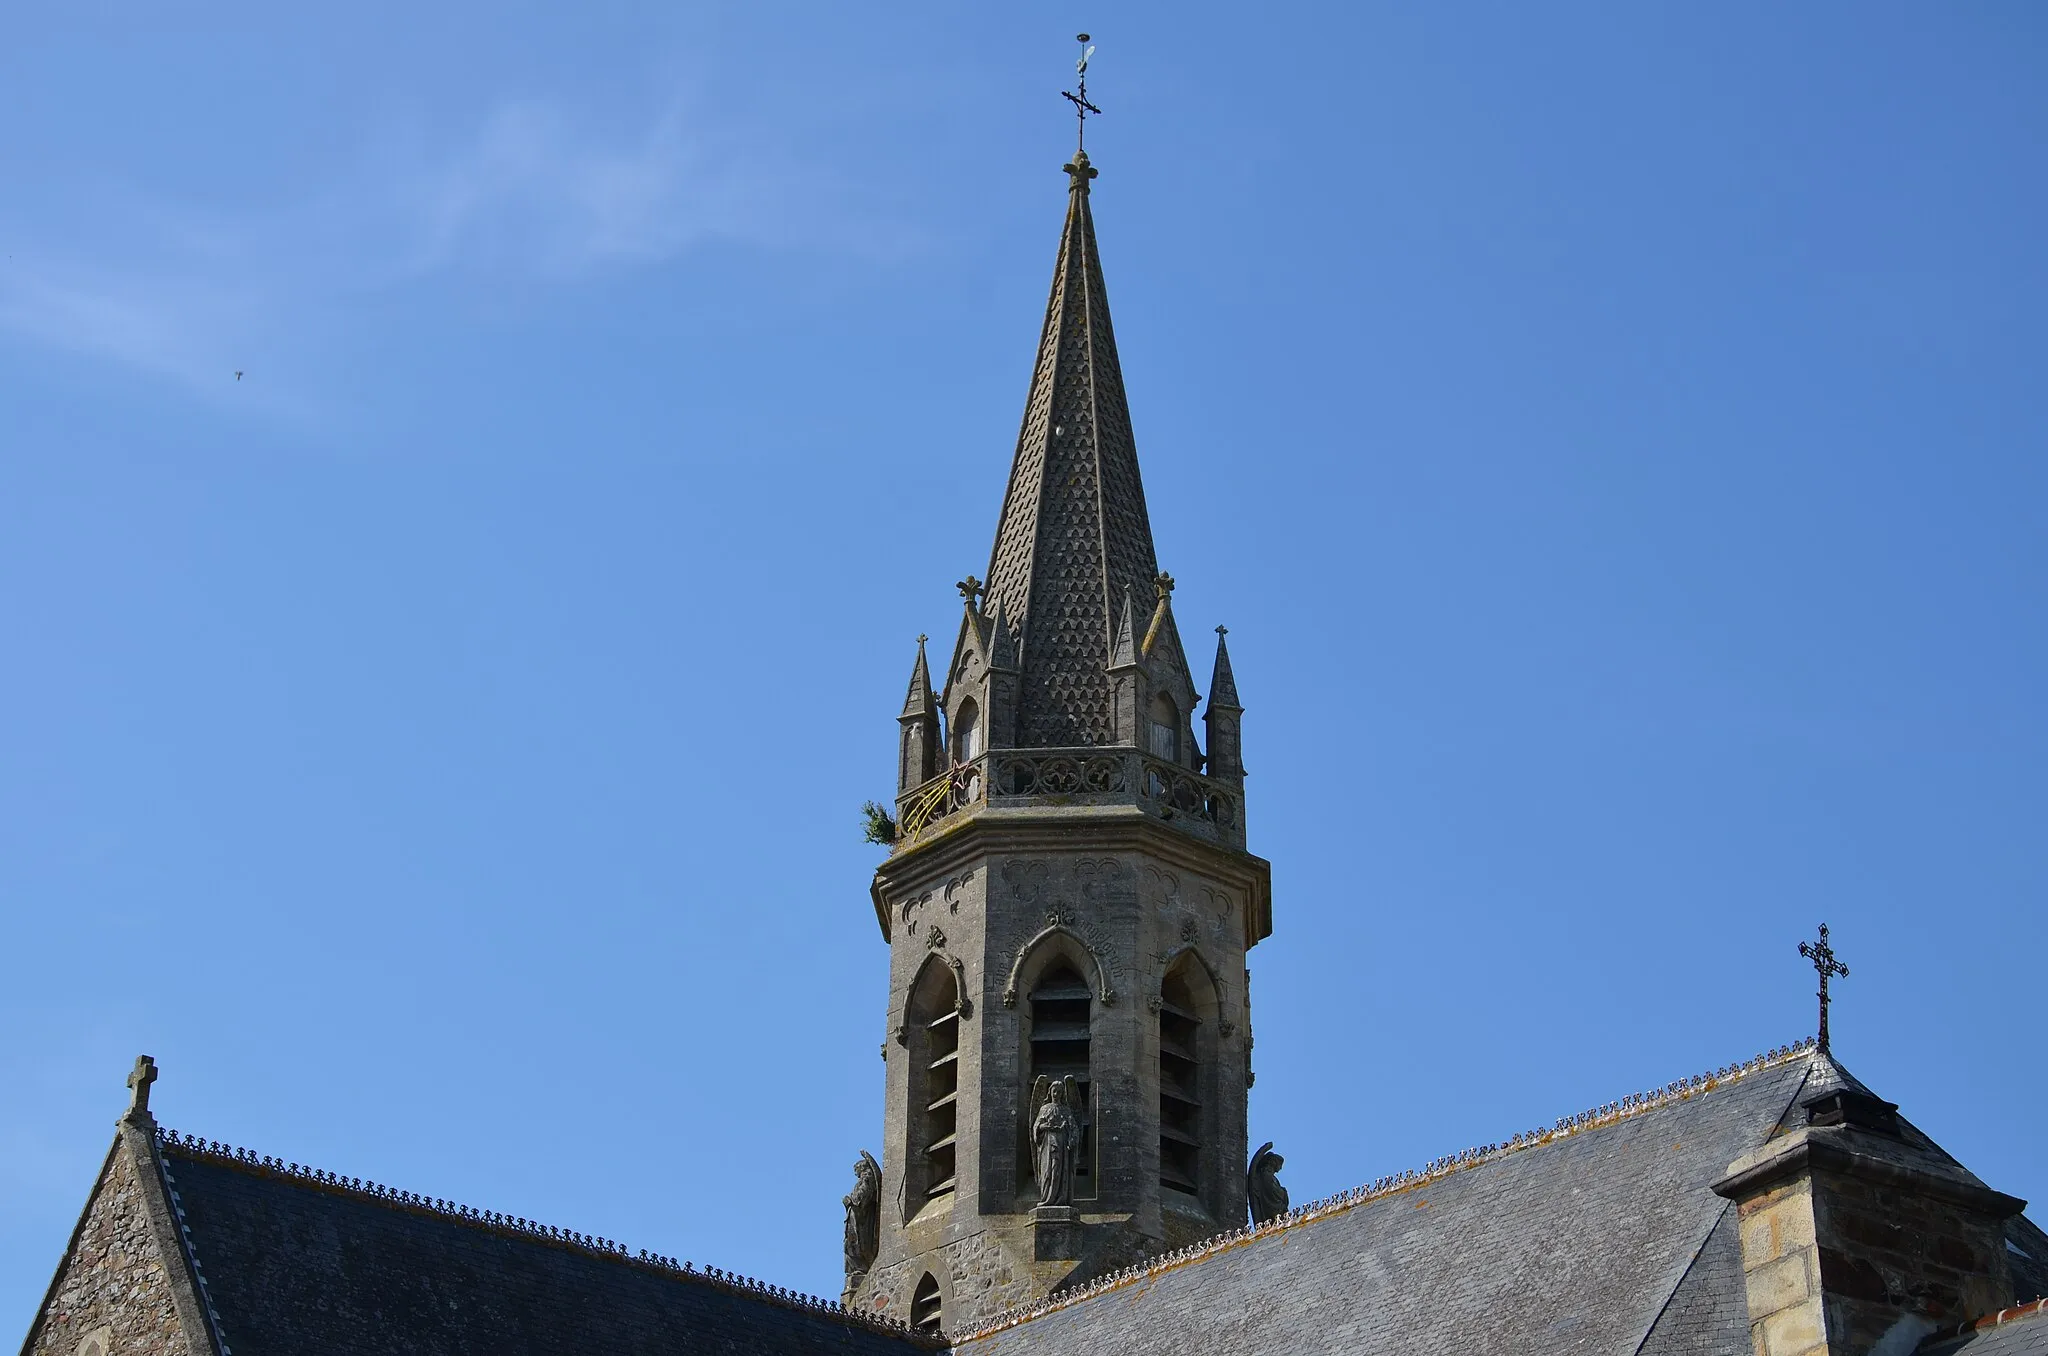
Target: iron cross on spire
[
  {"x": 1082, "y": 108},
  {"x": 1823, "y": 957}
]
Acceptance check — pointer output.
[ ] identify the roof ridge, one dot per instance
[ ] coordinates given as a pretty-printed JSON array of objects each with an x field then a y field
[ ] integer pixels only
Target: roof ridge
[
  {"x": 1608, "y": 1113},
  {"x": 611, "y": 1249},
  {"x": 1992, "y": 1320}
]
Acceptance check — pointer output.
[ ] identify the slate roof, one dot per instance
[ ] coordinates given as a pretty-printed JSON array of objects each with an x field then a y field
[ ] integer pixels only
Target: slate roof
[
  {"x": 301, "y": 1264},
  {"x": 1602, "y": 1237},
  {"x": 2016, "y": 1332},
  {"x": 1074, "y": 535}
]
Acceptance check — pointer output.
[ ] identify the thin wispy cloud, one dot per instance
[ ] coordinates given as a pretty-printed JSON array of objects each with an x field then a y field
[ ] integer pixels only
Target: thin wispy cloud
[{"x": 530, "y": 194}]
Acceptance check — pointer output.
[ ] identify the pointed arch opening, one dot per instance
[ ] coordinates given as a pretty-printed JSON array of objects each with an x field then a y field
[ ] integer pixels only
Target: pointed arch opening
[
  {"x": 1187, "y": 1071},
  {"x": 927, "y": 1306},
  {"x": 1163, "y": 734},
  {"x": 968, "y": 736},
  {"x": 931, "y": 1021},
  {"x": 1060, "y": 1036}
]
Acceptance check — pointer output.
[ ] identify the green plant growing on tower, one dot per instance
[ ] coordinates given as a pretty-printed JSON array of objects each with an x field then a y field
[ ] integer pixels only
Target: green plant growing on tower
[{"x": 877, "y": 826}]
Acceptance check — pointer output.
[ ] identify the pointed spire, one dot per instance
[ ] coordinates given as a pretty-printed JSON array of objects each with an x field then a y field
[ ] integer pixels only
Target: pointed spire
[
  {"x": 1222, "y": 682},
  {"x": 1074, "y": 535},
  {"x": 1002, "y": 646},
  {"x": 921, "y": 701},
  {"x": 1123, "y": 652}
]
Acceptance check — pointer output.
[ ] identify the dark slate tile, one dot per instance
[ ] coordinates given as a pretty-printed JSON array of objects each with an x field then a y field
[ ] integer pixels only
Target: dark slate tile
[
  {"x": 1579, "y": 1245},
  {"x": 296, "y": 1268}
]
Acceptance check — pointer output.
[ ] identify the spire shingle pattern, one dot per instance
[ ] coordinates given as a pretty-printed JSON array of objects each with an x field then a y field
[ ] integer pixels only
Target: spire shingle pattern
[{"x": 1074, "y": 535}]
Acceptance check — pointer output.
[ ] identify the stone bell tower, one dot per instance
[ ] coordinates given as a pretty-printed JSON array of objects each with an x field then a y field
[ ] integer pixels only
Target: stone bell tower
[{"x": 1068, "y": 896}]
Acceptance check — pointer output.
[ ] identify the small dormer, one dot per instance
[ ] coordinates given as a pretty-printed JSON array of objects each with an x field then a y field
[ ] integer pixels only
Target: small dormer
[
  {"x": 979, "y": 698},
  {"x": 1167, "y": 730}
]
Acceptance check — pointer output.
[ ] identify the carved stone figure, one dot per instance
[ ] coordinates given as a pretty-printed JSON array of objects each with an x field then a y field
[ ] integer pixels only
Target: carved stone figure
[
  {"x": 863, "y": 1218},
  {"x": 1267, "y": 1198},
  {"x": 1055, "y": 1138}
]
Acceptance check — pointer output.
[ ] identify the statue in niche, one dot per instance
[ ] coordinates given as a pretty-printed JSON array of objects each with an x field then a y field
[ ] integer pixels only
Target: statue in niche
[
  {"x": 1055, "y": 1138},
  {"x": 863, "y": 1218},
  {"x": 1267, "y": 1198}
]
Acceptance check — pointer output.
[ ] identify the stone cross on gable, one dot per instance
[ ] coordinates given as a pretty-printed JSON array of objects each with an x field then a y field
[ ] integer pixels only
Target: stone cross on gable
[
  {"x": 139, "y": 1079},
  {"x": 1823, "y": 957}
]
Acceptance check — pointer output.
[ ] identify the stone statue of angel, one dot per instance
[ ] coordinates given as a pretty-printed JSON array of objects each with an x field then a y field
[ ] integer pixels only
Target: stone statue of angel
[
  {"x": 1263, "y": 1192},
  {"x": 1055, "y": 1138},
  {"x": 863, "y": 1218}
]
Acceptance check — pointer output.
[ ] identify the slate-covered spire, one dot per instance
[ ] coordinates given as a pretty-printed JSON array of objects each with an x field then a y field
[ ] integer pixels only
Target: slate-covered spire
[
  {"x": 1074, "y": 537},
  {"x": 1225, "y": 716},
  {"x": 920, "y": 700},
  {"x": 917, "y": 754},
  {"x": 1222, "y": 682}
]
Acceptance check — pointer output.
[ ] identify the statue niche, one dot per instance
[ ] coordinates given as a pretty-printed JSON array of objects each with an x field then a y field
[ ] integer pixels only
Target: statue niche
[{"x": 1055, "y": 1139}]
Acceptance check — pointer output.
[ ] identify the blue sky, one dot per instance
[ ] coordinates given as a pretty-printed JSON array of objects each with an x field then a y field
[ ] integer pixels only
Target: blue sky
[{"x": 1613, "y": 436}]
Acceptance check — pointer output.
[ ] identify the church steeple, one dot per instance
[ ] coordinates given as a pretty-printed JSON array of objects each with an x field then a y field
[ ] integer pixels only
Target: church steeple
[
  {"x": 1068, "y": 899},
  {"x": 1074, "y": 537}
]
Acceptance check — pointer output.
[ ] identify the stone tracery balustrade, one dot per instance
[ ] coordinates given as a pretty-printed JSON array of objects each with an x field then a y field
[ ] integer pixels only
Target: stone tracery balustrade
[{"x": 1206, "y": 807}]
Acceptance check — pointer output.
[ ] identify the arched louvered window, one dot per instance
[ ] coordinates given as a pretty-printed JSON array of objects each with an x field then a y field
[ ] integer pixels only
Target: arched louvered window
[
  {"x": 967, "y": 734},
  {"x": 927, "y": 1310},
  {"x": 1060, "y": 1008},
  {"x": 932, "y": 1029},
  {"x": 1165, "y": 731},
  {"x": 1181, "y": 1121}
]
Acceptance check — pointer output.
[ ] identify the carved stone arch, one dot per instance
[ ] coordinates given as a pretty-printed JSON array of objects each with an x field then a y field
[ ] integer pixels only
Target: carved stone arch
[
  {"x": 962, "y": 1004},
  {"x": 938, "y": 1274},
  {"x": 1079, "y": 949},
  {"x": 1219, "y": 989}
]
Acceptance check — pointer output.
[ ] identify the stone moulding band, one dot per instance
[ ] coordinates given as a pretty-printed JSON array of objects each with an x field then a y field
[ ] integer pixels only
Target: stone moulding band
[
  {"x": 1608, "y": 1113},
  {"x": 1102, "y": 985},
  {"x": 192, "y": 1146}
]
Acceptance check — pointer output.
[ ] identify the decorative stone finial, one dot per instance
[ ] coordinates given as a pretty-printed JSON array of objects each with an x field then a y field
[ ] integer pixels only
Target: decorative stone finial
[
  {"x": 1164, "y": 583},
  {"x": 1080, "y": 171},
  {"x": 1823, "y": 957},
  {"x": 1222, "y": 630},
  {"x": 139, "y": 1079},
  {"x": 972, "y": 589}
]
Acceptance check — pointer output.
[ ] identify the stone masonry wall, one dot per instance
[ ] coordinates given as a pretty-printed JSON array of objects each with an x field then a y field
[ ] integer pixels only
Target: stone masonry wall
[
  {"x": 115, "y": 1285},
  {"x": 1884, "y": 1251},
  {"x": 1781, "y": 1272},
  {"x": 977, "y": 1280}
]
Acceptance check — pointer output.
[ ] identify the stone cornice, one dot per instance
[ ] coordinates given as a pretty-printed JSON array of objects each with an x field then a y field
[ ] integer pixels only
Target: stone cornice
[
  {"x": 1841, "y": 1150},
  {"x": 1098, "y": 828}
]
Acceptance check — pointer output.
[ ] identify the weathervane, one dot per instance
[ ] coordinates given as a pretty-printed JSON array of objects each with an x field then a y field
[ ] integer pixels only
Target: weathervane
[
  {"x": 1082, "y": 108},
  {"x": 1823, "y": 957}
]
